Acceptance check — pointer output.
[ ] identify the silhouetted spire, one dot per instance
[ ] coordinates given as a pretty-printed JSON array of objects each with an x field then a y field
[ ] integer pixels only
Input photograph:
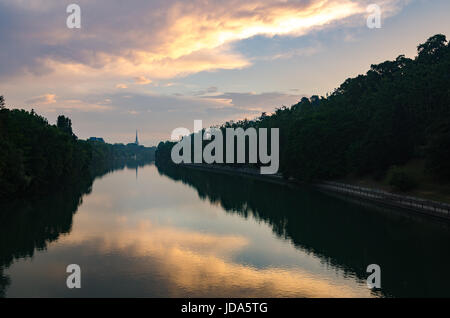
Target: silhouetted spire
[{"x": 137, "y": 140}]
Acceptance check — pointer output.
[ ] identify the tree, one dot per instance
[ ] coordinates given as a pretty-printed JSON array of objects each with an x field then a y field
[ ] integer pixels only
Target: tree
[
  {"x": 65, "y": 124},
  {"x": 433, "y": 46},
  {"x": 398, "y": 111},
  {"x": 2, "y": 102}
]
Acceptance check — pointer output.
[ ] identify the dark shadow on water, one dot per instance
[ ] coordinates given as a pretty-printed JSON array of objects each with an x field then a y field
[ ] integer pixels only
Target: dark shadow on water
[
  {"x": 30, "y": 225},
  {"x": 413, "y": 252}
]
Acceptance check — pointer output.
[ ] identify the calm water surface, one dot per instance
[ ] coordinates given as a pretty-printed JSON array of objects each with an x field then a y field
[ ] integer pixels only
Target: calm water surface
[{"x": 186, "y": 233}]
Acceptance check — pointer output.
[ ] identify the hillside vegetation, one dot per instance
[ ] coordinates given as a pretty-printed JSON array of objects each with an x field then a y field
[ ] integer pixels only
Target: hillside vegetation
[
  {"x": 36, "y": 157},
  {"x": 371, "y": 125}
]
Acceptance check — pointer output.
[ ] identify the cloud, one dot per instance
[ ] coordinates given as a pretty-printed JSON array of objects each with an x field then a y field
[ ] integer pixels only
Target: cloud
[
  {"x": 209, "y": 90},
  {"x": 121, "y": 45},
  {"x": 49, "y": 103},
  {"x": 73, "y": 105},
  {"x": 212, "y": 89},
  {"x": 304, "y": 52},
  {"x": 258, "y": 102},
  {"x": 164, "y": 39},
  {"x": 43, "y": 99},
  {"x": 114, "y": 115},
  {"x": 194, "y": 263},
  {"x": 142, "y": 80}
]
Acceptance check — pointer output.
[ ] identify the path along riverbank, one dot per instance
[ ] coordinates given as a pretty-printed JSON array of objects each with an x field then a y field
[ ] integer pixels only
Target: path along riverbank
[{"x": 413, "y": 204}]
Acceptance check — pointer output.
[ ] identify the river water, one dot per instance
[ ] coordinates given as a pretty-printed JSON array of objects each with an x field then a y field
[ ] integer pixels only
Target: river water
[{"x": 165, "y": 232}]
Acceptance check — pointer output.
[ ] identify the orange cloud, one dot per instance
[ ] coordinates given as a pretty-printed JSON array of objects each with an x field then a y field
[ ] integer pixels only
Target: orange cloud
[
  {"x": 43, "y": 99},
  {"x": 201, "y": 264},
  {"x": 142, "y": 80},
  {"x": 70, "y": 105},
  {"x": 193, "y": 36},
  {"x": 193, "y": 28}
]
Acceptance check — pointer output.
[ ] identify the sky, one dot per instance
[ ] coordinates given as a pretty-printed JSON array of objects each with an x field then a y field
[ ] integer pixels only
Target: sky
[{"x": 156, "y": 65}]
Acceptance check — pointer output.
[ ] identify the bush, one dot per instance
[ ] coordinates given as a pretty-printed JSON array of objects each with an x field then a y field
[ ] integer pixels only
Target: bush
[
  {"x": 438, "y": 159},
  {"x": 402, "y": 181}
]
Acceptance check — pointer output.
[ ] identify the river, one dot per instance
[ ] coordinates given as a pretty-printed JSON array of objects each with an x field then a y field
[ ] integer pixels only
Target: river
[{"x": 175, "y": 232}]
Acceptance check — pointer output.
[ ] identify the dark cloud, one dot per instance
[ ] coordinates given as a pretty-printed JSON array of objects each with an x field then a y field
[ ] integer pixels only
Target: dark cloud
[
  {"x": 140, "y": 40},
  {"x": 35, "y": 30},
  {"x": 209, "y": 90}
]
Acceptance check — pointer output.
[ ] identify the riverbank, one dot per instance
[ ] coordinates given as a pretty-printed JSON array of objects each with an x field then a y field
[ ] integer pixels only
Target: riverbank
[
  {"x": 37, "y": 158},
  {"x": 409, "y": 203}
]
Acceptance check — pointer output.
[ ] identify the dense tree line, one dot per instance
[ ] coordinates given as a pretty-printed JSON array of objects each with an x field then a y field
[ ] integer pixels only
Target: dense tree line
[
  {"x": 398, "y": 111},
  {"x": 111, "y": 156},
  {"x": 36, "y": 157}
]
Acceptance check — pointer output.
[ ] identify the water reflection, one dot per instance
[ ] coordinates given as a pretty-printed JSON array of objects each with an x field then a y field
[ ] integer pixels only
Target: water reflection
[
  {"x": 31, "y": 225},
  {"x": 154, "y": 237},
  {"x": 413, "y": 252}
]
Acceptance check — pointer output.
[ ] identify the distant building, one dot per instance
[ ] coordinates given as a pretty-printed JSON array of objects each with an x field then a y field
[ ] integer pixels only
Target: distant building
[
  {"x": 136, "y": 141},
  {"x": 96, "y": 139}
]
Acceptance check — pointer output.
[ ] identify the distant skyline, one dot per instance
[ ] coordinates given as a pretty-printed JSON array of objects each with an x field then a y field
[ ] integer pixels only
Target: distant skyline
[{"x": 157, "y": 65}]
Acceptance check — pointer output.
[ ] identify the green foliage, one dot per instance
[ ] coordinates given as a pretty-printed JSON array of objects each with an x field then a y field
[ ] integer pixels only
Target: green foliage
[
  {"x": 438, "y": 159},
  {"x": 386, "y": 117},
  {"x": 401, "y": 180},
  {"x": 65, "y": 124},
  {"x": 433, "y": 48},
  {"x": 163, "y": 152},
  {"x": 107, "y": 156},
  {"x": 36, "y": 157}
]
